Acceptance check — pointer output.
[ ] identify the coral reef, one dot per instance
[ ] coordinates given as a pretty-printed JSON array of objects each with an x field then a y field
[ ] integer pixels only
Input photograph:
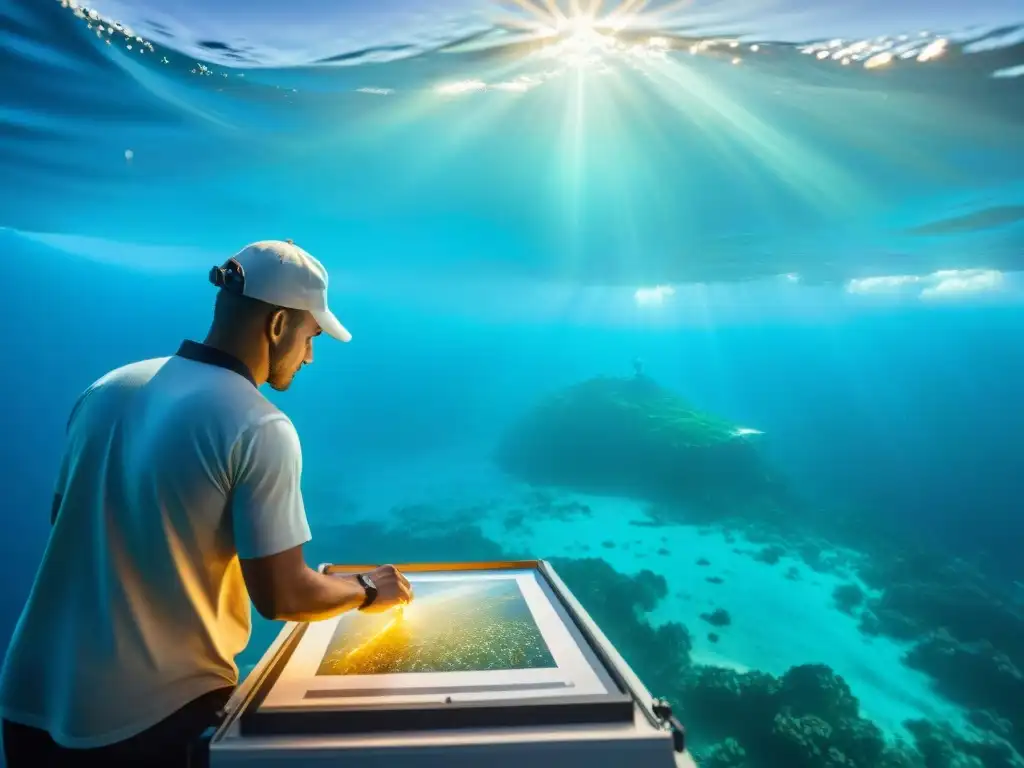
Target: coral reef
[
  {"x": 847, "y": 597},
  {"x": 660, "y": 656},
  {"x": 941, "y": 747},
  {"x": 717, "y": 618},
  {"x": 770, "y": 555},
  {"x": 632, "y": 436},
  {"x": 725, "y": 754},
  {"x": 967, "y": 629},
  {"x": 808, "y": 718},
  {"x": 979, "y": 676},
  {"x": 969, "y": 636}
]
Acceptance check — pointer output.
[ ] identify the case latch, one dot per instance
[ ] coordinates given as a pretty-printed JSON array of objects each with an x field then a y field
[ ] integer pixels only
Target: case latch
[{"x": 663, "y": 711}]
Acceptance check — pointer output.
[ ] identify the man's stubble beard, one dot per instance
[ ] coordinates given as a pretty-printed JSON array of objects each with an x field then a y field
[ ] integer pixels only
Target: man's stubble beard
[{"x": 279, "y": 379}]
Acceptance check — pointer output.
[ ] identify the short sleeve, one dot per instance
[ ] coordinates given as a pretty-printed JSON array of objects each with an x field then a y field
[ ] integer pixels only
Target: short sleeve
[{"x": 267, "y": 512}]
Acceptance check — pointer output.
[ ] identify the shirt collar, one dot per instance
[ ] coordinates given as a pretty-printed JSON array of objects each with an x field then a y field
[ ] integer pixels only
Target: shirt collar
[{"x": 203, "y": 353}]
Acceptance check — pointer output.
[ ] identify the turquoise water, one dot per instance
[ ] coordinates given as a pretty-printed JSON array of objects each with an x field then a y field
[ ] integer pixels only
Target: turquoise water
[{"x": 806, "y": 225}]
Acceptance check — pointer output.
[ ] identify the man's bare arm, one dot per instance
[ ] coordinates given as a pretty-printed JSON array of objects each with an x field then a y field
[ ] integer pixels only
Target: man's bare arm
[{"x": 284, "y": 588}]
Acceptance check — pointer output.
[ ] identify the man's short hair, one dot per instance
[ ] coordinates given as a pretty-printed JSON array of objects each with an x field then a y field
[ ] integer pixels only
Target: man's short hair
[{"x": 231, "y": 306}]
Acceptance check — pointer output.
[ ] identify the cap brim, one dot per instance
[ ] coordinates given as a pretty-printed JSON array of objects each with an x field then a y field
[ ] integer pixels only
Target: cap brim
[{"x": 330, "y": 325}]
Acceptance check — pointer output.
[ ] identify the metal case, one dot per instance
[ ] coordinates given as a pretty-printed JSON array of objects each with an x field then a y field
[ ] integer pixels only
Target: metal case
[{"x": 621, "y": 726}]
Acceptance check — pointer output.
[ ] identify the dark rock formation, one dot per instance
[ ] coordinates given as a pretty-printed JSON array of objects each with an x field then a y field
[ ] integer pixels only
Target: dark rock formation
[{"x": 632, "y": 436}]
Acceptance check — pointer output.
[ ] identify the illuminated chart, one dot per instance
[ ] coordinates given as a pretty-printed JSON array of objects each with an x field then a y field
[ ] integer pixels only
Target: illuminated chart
[{"x": 451, "y": 626}]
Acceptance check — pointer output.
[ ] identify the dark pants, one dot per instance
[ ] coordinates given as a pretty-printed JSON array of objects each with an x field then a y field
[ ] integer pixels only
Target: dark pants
[{"x": 171, "y": 743}]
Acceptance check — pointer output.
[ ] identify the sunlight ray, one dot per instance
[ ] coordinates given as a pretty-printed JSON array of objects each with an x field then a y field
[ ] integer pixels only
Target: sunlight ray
[{"x": 812, "y": 174}]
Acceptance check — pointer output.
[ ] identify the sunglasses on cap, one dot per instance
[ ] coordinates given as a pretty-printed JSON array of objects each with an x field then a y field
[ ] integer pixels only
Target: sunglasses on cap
[{"x": 230, "y": 277}]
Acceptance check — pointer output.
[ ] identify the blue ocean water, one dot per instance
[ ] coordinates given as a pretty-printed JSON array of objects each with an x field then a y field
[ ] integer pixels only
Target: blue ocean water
[{"x": 806, "y": 221}]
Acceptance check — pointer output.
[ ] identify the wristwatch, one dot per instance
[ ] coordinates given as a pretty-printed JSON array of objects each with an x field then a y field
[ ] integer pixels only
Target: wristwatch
[{"x": 371, "y": 590}]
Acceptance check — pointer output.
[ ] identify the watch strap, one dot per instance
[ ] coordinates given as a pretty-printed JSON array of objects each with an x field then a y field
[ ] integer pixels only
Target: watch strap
[{"x": 370, "y": 588}]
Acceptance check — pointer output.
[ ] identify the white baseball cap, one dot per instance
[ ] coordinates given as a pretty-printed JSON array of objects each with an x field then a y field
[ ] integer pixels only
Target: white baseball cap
[{"x": 280, "y": 273}]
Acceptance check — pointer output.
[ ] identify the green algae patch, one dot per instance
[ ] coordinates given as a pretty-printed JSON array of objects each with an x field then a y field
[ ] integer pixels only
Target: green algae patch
[{"x": 634, "y": 437}]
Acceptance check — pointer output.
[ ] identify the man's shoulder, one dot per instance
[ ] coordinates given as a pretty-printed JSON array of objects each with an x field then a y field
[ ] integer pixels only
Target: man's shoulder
[
  {"x": 205, "y": 392},
  {"x": 117, "y": 384},
  {"x": 132, "y": 374}
]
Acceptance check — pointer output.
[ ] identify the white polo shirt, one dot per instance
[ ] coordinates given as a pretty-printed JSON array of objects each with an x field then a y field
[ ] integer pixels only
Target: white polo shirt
[{"x": 174, "y": 468}]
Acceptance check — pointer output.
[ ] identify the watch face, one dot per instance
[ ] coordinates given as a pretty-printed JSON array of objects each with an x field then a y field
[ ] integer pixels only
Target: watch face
[{"x": 368, "y": 582}]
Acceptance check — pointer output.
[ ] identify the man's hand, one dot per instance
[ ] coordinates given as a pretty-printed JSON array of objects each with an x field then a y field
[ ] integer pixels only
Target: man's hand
[{"x": 392, "y": 589}]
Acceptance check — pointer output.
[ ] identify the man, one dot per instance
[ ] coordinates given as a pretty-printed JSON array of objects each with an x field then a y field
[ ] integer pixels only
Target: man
[{"x": 177, "y": 501}]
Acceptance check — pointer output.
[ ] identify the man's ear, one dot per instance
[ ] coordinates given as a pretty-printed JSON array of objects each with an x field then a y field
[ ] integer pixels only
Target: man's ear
[{"x": 277, "y": 324}]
